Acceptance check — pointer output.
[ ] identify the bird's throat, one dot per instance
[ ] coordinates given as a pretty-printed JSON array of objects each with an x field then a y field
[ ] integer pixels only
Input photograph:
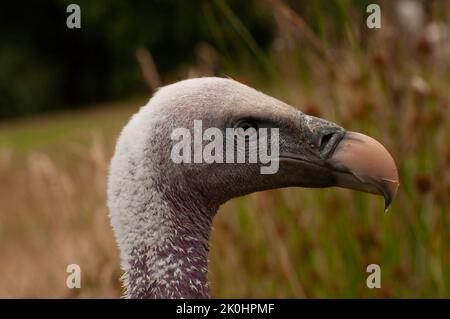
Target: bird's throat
[{"x": 173, "y": 264}]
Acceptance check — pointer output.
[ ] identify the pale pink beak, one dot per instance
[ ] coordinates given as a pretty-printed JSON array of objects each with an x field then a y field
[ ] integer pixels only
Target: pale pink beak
[{"x": 362, "y": 163}]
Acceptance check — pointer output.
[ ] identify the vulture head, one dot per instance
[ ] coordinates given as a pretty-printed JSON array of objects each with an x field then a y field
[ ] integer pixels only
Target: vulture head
[{"x": 161, "y": 208}]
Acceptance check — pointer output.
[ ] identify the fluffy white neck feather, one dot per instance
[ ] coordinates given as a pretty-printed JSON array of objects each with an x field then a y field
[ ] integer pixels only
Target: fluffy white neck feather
[{"x": 163, "y": 241}]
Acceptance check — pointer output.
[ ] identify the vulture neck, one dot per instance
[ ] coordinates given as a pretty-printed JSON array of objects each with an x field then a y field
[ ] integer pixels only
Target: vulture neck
[{"x": 170, "y": 260}]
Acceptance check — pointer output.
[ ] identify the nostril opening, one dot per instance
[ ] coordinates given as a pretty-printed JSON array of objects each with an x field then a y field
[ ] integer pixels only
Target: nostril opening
[{"x": 324, "y": 140}]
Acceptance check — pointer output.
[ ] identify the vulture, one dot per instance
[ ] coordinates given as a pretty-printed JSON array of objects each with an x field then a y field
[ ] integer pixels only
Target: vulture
[{"x": 161, "y": 211}]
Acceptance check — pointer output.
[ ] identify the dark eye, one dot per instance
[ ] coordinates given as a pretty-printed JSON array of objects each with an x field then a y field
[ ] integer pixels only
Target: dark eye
[{"x": 246, "y": 128}]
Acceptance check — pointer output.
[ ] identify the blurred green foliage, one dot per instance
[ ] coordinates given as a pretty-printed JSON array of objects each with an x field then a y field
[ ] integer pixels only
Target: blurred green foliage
[{"x": 44, "y": 65}]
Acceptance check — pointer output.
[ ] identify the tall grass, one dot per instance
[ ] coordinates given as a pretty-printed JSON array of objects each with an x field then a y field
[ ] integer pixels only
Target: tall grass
[{"x": 390, "y": 83}]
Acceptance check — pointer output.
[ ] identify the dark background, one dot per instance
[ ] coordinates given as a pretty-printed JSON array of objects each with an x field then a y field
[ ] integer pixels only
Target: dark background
[{"x": 44, "y": 65}]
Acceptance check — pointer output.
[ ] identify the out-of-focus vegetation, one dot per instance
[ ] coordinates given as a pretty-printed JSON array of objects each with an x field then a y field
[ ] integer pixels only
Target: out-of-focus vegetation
[
  {"x": 47, "y": 66},
  {"x": 391, "y": 83}
]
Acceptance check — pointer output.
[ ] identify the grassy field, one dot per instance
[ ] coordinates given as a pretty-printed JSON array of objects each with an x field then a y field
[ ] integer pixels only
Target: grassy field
[{"x": 283, "y": 243}]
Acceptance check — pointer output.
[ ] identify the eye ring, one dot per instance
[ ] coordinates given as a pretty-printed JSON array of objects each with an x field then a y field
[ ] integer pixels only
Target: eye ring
[{"x": 242, "y": 128}]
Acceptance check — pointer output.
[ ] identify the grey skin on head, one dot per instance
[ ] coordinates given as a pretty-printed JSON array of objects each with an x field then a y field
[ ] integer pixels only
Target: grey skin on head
[{"x": 161, "y": 212}]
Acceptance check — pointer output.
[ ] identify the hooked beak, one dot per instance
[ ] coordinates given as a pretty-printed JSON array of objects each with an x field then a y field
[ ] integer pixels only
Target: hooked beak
[{"x": 361, "y": 163}]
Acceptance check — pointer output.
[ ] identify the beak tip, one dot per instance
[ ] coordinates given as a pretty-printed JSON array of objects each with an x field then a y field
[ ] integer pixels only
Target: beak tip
[
  {"x": 389, "y": 195},
  {"x": 387, "y": 203}
]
